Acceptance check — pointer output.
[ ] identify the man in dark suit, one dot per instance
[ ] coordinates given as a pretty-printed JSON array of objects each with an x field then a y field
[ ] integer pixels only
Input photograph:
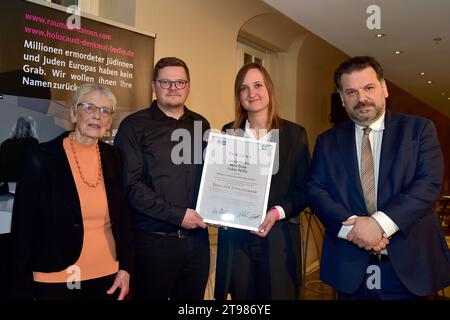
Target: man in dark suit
[{"x": 374, "y": 189}]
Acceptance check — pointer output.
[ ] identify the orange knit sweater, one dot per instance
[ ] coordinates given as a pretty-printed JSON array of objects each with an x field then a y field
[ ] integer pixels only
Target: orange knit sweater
[{"x": 98, "y": 254}]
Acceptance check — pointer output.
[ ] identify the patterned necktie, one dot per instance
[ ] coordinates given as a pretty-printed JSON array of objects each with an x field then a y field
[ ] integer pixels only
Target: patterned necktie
[{"x": 367, "y": 173}]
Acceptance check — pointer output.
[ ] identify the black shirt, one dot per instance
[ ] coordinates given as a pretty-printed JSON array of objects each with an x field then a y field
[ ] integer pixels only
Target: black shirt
[{"x": 162, "y": 176}]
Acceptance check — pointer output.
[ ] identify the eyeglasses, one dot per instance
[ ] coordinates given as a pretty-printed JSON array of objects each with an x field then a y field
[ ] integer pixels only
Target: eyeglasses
[
  {"x": 91, "y": 108},
  {"x": 167, "y": 84}
]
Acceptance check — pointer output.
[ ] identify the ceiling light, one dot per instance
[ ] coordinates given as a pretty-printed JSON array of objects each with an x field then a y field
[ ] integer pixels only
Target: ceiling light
[
  {"x": 422, "y": 73},
  {"x": 429, "y": 82},
  {"x": 380, "y": 35},
  {"x": 398, "y": 52},
  {"x": 448, "y": 98}
]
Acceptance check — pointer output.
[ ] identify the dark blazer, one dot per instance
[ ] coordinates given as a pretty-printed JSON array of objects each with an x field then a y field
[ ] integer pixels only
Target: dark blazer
[
  {"x": 410, "y": 177},
  {"x": 287, "y": 189},
  {"x": 47, "y": 227}
]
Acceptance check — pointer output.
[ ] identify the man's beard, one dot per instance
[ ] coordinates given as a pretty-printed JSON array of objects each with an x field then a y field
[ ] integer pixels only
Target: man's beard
[
  {"x": 175, "y": 104},
  {"x": 365, "y": 118}
]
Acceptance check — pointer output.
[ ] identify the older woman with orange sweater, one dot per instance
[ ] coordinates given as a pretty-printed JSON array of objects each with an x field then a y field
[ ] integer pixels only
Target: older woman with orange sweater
[{"x": 71, "y": 229}]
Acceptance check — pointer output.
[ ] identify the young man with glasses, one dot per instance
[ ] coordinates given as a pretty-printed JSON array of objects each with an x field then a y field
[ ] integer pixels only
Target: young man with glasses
[{"x": 172, "y": 245}]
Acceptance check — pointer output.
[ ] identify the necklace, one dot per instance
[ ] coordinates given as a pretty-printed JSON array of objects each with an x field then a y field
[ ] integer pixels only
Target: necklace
[{"x": 99, "y": 177}]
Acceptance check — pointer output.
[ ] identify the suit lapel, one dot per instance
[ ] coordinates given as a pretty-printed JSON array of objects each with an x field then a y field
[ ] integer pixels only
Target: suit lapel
[
  {"x": 108, "y": 177},
  {"x": 63, "y": 178},
  {"x": 281, "y": 152},
  {"x": 391, "y": 135},
  {"x": 347, "y": 146}
]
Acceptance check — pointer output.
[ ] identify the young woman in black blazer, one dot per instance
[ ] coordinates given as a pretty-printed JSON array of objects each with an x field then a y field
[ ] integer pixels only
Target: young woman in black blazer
[{"x": 266, "y": 264}]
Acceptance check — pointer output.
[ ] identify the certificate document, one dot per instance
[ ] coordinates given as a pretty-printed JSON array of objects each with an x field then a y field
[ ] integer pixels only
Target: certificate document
[{"x": 235, "y": 183}]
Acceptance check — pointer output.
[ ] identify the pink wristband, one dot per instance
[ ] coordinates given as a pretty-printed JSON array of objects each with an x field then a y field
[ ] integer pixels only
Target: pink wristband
[{"x": 277, "y": 213}]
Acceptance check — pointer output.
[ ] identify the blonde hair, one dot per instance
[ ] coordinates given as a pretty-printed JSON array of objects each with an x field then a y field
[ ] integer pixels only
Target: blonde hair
[{"x": 85, "y": 89}]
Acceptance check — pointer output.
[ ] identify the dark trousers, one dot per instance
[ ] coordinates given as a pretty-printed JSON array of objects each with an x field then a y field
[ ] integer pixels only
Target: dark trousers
[
  {"x": 250, "y": 272},
  {"x": 170, "y": 267},
  {"x": 390, "y": 286},
  {"x": 5, "y": 269},
  {"x": 94, "y": 289}
]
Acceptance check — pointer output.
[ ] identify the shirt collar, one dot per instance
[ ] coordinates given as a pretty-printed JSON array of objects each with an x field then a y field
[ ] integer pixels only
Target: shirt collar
[
  {"x": 250, "y": 134},
  {"x": 376, "y": 126}
]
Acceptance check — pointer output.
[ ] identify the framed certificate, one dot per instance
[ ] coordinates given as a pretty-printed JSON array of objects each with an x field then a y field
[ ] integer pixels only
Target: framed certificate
[{"x": 235, "y": 183}]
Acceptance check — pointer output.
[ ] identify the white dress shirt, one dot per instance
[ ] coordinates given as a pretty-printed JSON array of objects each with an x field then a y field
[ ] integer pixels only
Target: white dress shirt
[
  {"x": 376, "y": 137},
  {"x": 265, "y": 138}
]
